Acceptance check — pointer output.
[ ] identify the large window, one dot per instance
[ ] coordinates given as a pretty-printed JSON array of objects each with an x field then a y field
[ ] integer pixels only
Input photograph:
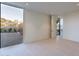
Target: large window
[
  {"x": 11, "y": 18},
  {"x": 11, "y": 23}
]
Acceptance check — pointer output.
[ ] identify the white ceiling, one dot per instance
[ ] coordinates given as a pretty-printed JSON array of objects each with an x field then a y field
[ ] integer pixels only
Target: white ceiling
[{"x": 54, "y": 8}]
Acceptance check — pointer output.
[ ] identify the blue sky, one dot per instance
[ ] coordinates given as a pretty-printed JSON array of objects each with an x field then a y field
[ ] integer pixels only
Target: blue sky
[{"x": 11, "y": 13}]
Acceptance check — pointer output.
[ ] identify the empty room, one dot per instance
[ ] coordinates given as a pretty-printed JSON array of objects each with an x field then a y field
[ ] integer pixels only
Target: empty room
[{"x": 39, "y": 29}]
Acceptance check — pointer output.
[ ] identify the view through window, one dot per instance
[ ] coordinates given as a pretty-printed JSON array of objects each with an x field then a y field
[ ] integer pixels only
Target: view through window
[{"x": 11, "y": 24}]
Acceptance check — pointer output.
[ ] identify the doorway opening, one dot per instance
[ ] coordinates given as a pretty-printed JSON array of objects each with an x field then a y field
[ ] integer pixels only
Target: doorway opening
[{"x": 59, "y": 28}]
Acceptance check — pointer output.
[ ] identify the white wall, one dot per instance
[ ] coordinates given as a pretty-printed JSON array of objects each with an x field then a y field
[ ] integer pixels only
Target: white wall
[
  {"x": 36, "y": 26},
  {"x": 71, "y": 26}
]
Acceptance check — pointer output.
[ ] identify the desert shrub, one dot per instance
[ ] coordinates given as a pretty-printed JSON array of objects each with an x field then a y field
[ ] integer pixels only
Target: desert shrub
[
  {"x": 0, "y": 30},
  {"x": 3, "y": 30},
  {"x": 10, "y": 30},
  {"x": 15, "y": 30}
]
